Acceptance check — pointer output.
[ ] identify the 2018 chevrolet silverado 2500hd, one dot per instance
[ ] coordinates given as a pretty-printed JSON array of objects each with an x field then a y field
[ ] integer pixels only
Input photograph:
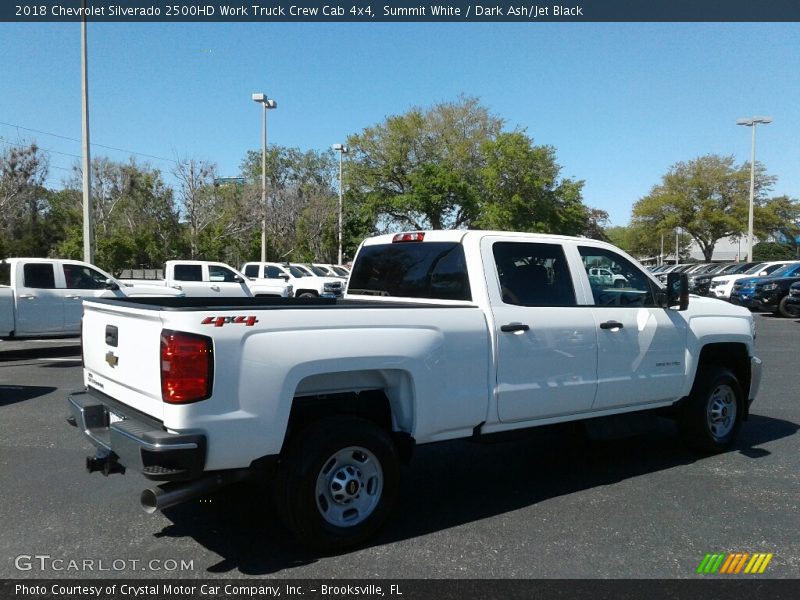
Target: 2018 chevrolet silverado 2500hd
[
  {"x": 43, "y": 297},
  {"x": 206, "y": 279},
  {"x": 441, "y": 335}
]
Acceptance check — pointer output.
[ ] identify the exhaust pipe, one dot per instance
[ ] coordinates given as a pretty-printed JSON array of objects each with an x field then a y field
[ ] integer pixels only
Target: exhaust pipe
[{"x": 170, "y": 494}]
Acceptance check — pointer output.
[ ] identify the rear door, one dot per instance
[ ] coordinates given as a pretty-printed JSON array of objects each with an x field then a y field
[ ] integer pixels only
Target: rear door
[
  {"x": 40, "y": 304},
  {"x": 189, "y": 279},
  {"x": 546, "y": 342}
]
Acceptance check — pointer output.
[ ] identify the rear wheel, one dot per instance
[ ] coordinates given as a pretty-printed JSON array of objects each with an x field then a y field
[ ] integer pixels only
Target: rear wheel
[
  {"x": 306, "y": 295},
  {"x": 337, "y": 481},
  {"x": 787, "y": 310},
  {"x": 712, "y": 416}
]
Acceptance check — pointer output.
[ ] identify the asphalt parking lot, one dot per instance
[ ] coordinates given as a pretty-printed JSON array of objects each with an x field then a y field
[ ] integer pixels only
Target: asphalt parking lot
[{"x": 545, "y": 506}]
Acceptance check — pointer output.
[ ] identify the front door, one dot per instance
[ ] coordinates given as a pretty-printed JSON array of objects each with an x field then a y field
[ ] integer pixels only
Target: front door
[{"x": 641, "y": 356}]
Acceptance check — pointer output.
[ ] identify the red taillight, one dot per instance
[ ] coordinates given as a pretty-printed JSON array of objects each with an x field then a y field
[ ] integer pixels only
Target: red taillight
[
  {"x": 187, "y": 367},
  {"x": 416, "y": 236}
]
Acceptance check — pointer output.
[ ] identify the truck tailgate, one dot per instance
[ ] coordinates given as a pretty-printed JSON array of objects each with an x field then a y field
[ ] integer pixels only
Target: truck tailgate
[{"x": 121, "y": 355}]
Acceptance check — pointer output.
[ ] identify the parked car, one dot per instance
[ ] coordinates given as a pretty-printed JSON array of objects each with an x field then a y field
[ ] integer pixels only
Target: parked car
[
  {"x": 43, "y": 297},
  {"x": 700, "y": 283},
  {"x": 305, "y": 282},
  {"x": 722, "y": 286},
  {"x": 768, "y": 293},
  {"x": 207, "y": 279},
  {"x": 793, "y": 300},
  {"x": 605, "y": 277}
]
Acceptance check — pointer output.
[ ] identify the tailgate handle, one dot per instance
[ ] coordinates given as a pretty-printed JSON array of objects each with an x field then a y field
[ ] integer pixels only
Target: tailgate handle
[{"x": 112, "y": 335}]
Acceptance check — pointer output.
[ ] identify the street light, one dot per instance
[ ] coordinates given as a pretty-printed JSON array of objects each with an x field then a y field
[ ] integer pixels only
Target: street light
[
  {"x": 752, "y": 122},
  {"x": 342, "y": 150},
  {"x": 267, "y": 104}
]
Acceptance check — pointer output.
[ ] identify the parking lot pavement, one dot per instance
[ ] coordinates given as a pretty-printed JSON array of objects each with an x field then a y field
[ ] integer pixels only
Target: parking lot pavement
[{"x": 547, "y": 505}]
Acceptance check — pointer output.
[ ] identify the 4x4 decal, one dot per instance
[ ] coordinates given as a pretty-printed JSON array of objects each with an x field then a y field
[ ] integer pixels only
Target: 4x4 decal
[{"x": 220, "y": 321}]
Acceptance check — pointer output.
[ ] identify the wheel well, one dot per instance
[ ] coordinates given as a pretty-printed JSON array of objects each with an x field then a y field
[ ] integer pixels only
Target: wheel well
[
  {"x": 730, "y": 356},
  {"x": 368, "y": 404}
]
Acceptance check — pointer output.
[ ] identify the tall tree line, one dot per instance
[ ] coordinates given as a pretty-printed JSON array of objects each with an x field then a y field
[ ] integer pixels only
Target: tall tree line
[{"x": 451, "y": 165}]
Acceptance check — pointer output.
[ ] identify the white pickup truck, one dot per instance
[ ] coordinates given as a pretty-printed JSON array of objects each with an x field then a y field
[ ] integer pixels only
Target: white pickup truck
[
  {"x": 441, "y": 335},
  {"x": 305, "y": 282},
  {"x": 206, "y": 279},
  {"x": 43, "y": 297}
]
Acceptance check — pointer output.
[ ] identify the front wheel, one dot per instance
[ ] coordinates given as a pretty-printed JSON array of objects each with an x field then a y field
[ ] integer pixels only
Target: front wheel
[
  {"x": 337, "y": 482},
  {"x": 712, "y": 415},
  {"x": 785, "y": 309}
]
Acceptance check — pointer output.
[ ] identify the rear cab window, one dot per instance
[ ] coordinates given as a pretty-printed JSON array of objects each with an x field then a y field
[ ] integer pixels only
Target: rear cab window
[{"x": 429, "y": 270}]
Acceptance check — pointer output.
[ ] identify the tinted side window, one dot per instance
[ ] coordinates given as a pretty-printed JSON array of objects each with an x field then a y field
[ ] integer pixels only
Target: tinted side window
[
  {"x": 188, "y": 273},
  {"x": 630, "y": 286},
  {"x": 272, "y": 272},
  {"x": 83, "y": 278},
  {"x": 221, "y": 274},
  {"x": 5, "y": 274},
  {"x": 435, "y": 270},
  {"x": 39, "y": 275},
  {"x": 533, "y": 274},
  {"x": 251, "y": 270}
]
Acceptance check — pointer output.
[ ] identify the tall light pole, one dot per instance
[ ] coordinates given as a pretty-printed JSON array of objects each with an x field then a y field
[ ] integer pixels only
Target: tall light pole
[
  {"x": 267, "y": 104},
  {"x": 752, "y": 122},
  {"x": 88, "y": 213},
  {"x": 342, "y": 150}
]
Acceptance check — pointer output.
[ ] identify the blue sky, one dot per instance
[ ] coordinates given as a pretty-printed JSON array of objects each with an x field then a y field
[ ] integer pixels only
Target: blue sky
[{"x": 619, "y": 102}]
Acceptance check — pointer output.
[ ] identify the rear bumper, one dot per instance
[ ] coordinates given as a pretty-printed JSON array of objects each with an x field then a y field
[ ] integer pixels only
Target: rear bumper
[{"x": 135, "y": 441}]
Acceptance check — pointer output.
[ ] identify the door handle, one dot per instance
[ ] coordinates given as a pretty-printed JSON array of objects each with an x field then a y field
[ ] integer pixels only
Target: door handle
[
  {"x": 215, "y": 288},
  {"x": 177, "y": 287},
  {"x": 73, "y": 297},
  {"x": 611, "y": 325},
  {"x": 514, "y": 328},
  {"x": 27, "y": 296}
]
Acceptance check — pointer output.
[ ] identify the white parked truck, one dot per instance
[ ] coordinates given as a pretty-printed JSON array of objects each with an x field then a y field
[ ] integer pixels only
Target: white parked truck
[
  {"x": 207, "y": 279},
  {"x": 306, "y": 283},
  {"x": 441, "y": 335},
  {"x": 43, "y": 297}
]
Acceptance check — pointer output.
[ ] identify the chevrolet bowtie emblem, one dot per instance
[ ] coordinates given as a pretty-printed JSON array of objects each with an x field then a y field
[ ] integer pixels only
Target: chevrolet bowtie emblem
[{"x": 111, "y": 359}]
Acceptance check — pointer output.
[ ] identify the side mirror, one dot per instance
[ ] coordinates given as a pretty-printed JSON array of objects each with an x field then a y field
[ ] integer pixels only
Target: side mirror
[
  {"x": 677, "y": 291},
  {"x": 285, "y": 278},
  {"x": 237, "y": 279},
  {"x": 112, "y": 285}
]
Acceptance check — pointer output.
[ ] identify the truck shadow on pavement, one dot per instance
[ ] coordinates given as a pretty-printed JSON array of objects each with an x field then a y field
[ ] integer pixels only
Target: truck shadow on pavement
[
  {"x": 33, "y": 352},
  {"x": 451, "y": 484},
  {"x": 11, "y": 394}
]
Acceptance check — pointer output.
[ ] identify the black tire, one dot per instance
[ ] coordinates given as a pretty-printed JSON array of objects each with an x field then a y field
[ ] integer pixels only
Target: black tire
[
  {"x": 786, "y": 310},
  {"x": 337, "y": 482},
  {"x": 307, "y": 295},
  {"x": 712, "y": 415}
]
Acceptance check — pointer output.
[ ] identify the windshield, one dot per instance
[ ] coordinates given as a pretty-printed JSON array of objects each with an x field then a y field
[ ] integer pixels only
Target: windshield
[
  {"x": 340, "y": 271},
  {"x": 297, "y": 271},
  {"x": 786, "y": 271},
  {"x": 318, "y": 271},
  {"x": 755, "y": 269}
]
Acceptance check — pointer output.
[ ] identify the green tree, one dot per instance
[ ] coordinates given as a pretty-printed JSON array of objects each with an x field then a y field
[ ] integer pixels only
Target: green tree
[
  {"x": 421, "y": 169},
  {"x": 523, "y": 192},
  {"x": 294, "y": 179},
  {"x": 707, "y": 198},
  {"x": 779, "y": 217}
]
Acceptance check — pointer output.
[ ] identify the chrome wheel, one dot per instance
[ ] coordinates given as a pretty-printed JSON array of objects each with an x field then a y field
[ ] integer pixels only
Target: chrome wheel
[
  {"x": 349, "y": 486},
  {"x": 721, "y": 411}
]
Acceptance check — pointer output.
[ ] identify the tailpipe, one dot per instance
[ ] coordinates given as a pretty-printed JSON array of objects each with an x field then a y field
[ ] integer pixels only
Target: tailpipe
[{"x": 176, "y": 492}]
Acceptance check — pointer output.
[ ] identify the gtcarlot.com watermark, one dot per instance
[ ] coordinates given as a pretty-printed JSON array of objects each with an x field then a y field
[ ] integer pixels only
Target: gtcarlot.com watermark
[{"x": 46, "y": 563}]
